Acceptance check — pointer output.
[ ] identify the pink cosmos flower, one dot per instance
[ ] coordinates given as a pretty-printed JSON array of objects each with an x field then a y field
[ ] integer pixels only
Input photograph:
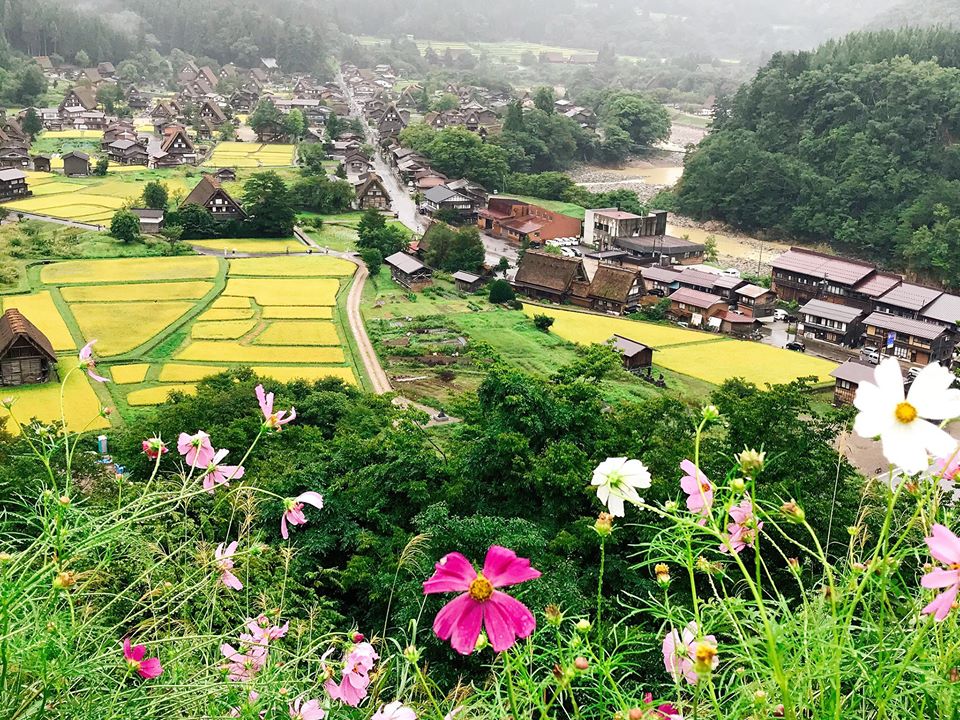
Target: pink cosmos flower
[
  {"x": 946, "y": 468},
  {"x": 273, "y": 420},
  {"x": 154, "y": 448},
  {"x": 263, "y": 631},
  {"x": 945, "y": 547},
  {"x": 357, "y": 664},
  {"x": 217, "y": 474},
  {"x": 663, "y": 711},
  {"x": 504, "y": 618},
  {"x": 743, "y": 530},
  {"x": 224, "y": 558},
  {"x": 309, "y": 710},
  {"x": 394, "y": 711},
  {"x": 196, "y": 449},
  {"x": 252, "y": 698},
  {"x": 243, "y": 666},
  {"x": 86, "y": 358},
  {"x": 293, "y": 510},
  {"x": 149, "y": 668},
  {"x": 699, "y": 490},
  {"x": 680, "y": 653}
]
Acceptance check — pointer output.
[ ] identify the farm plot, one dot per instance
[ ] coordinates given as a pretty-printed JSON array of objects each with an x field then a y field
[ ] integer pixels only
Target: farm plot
[
  {"x": 279, "y": 246},
  {"x": 310, "y": 266},
  {"x": 705, "y": 356},
  {"x": 81, "y": 407},
  {"x": 129, "y": 270},
  {"x": 298, "y": 332},
  {"x": 250, "y": 155},
  {"x": 285, "y": 291},
  {"x": 42, "y": 312},
  {"x": 137, "y": 292},
  {"x": 121, "y": 327}
]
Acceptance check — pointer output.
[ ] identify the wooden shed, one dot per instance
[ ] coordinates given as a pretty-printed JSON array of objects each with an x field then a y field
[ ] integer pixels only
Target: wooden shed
[
  {"x": 467, "y": 282},
  {"x": 26, "y": 355},
  {"x": 636, "y": 356}
]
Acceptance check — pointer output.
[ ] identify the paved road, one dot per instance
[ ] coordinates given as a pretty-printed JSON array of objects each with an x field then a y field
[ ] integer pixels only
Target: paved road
[{"x": 56, "y": 221}]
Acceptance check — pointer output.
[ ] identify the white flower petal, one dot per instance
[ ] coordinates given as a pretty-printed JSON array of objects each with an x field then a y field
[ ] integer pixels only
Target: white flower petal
[
  {"x": 889, "y": 378},
  {"x": 615, "y": 506},
  {"x": 903, "y": 446},
  {"x": 935, "y": 441}
]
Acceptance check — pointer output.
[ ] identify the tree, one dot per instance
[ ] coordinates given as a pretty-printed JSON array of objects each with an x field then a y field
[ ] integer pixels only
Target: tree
[
  {"x": 373, "y": 232},
  {"x": 195, "y": 221},
  {"x": 155, "y": 195},
  {"x": 543, "y": 322},
  {"x": 82, "y": 59},
  {"x": 125, "y": 226},
  {"x": 544, "y": 99},
  {"x": 341, "y": 171},
  {"x": 501, "y": 292},
  {"x": 265, "y": 118},
  {"x": 710, "y": 251},
  {"x": 311, "y": 158},
  {"x": 294, "y": 124},
  {"x": 110, "y": 96},
  {"x": 31, "y": 84},
  {"x": 616, "y": 145},
  {"x": 372, "y": 259},
  {"x": 228, "y": 132},
  {"x": 502, "y": 266},
  {"x": 452, "y": 250},
  {"x": 101, "y": 167},
  {"x": 172, "y": 233},
  {"x": 646, "y": 121},
  {"x": 447, "y": 101},
  {"x": 318, "y": 194},
  {"x": 267, "y": 202},
  {"x": 31, "y": 124},
  {"x": 417, "y": 136}
]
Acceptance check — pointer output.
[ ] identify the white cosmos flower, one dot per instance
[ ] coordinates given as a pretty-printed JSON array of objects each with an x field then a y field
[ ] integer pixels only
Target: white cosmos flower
[
  {"x": 617, "y": 479},
  {"x": 902, "y": 424}
]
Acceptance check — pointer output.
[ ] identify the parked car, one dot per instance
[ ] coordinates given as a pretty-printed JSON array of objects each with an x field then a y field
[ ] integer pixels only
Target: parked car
[
  {"x": 657, "y": 291},
  {"x": 780, "y": 315},
  {"x": 796, "y": 346},
  {"x": 870, "y": 355}
]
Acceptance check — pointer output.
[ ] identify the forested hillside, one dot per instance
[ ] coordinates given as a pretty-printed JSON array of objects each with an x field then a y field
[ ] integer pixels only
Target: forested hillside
[
  {"x": 919, "y": 13},
  {"x": 854, "y": 144}
]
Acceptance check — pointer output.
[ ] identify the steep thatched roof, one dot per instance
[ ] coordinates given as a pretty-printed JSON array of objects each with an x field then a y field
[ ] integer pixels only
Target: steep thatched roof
[{"x": 550, "y": 272}]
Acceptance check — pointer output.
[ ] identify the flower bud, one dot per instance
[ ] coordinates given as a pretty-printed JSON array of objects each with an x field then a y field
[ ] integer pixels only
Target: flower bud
[
  {"x": 635, "y": 714},
  {"x": 663, "y": 574},
  {"x": 5, "y": 558},
  {"x": 583, "y": 625},
  {"x": 853, "y": 530},
  {"x": 778, "y": 712},
  {"x": 670, "y": 505},
  {"x": 760, "y": 696},
  {"x": 738, "y": 485},
  {"x": 64, "y": 580},
  {"x": 482, "y": 642},
  {"x": 64, "y": 500},
  {"x": 793, "y": 511},
  {"x": 581, "y": 663},
  {"x": 357, "y": 637},
  {"x": 106, "y": 411},
  {"x": 751, "y": 461},
  {"x": 705, "y": 652},
  {"x": 283, "y": 691},
  {"x": 954, "y": 675},
  {"x": 604, "y": 524},
  {"x": 554, "y": 615},
  {"x": 710, "y": 413},
  {"x": 794, "y": 564},
  {"x": 411, "y": 654}
]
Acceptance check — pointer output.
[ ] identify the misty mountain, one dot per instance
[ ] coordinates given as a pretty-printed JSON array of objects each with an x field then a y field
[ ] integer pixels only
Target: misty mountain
[
  {"x": 923, "y": 13},
  {"x": 743, "y": 29}
]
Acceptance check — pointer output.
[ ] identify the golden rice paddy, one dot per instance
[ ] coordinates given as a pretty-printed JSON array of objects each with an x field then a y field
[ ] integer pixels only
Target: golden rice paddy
[
  {"x": 298, "y": 332},
  {"x": 306, "y": 266},
  {"x": 184, "y": 373},
  {"x": 119, "y": 328},
  {"x": 40, "y": 310},
  {"x": 222, "y": 330},
  {"x": 285, "y": 373},
  {"x": 148, "y": 291},
  {"x": 223, "y": 302},
  {"x": 250, "y": 155},
  {"x": 128, "y": 374},
  {"x": 234, "y": 352},
  {"x": 150, "y": 269},
  {"x": 246, "y": 245},
  {"x": 226, "y": 314},
  {"x": 81, "y": 405},
  {"x": 296, "y": 312},
  {"x": 157, "y": 394},
  {"x": 285, "y": 291}
]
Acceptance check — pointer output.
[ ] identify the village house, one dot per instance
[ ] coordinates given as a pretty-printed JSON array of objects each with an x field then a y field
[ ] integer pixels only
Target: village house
[
  {"x": 188, "y": 72},
  {"x": 409, "y": 272},
  {"x": 801, "y": 275},
  {"x": 151, "y": 221},
  {"x": 372, "y": 193},
  {"x": 127, "y": 152},
  {"x": 106, "y": 69},
  {"x": 357, "y": 163},
  {"x": 14, "y": 157},
  {"x": 615, "y": 290},
  {"x": 392, "y": 121},
  {"x": 91, "y": 76},
  {"x": 214, "y": 199},
  {"x": 441, "y": 199},
  {"x": 45, "y": 64},
  {"x": 735, "y": 323},
  {"x": 467, "y": 282},
  {"x": 76, "y": 164},
  {"x": 755, "y": 301},
  {"x": 165, "y": 111},
  {"x": 945, "y": 311},
  {"x": 660, "y": 280},
  {"x": 13, "y": 184},
  {"x": 135, "y": 99},
  {"x": 519, "y": 222},
  {"x": 84, "y": 120},
  {"x": 848, "y": 378},
  {"x": 212, "y": 112},
  {"x": 697, "y": 308},
  {"x": 709, "y": 282},
  {"x": 177, "y": 144},
  {"x": 11, "y": 128},
  {"x": 636, "y": 356},
  {"x": 78, "y": 98},
  {"x": 41, "y": 162},
  {"x": 643, "y": 236},
  {"x": 543, "y": 276},
  {"x": 915, "y": 341},
  {"x": 225, "y": 175},
  {"x": 244, "y": 99},
  {"x": 26, "y": 355},
  {"x": 832, "y": 322},
  {"x": 907, "y": 300}
]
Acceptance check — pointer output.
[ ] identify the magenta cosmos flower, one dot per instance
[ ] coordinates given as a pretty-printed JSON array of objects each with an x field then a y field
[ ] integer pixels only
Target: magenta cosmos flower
[
  {"x": 481, "y": 604},
  {"x": 663, "y": 711},
  {"x": 86, "y": 360},
  {"x": 309, "y": 710},
  {"x": 394, "y": 711},
  {"x": 147, "y": 668},
  {"x": 243, "y": 666},
  {"x": 293, "y": 510},
  {"x": 680, "y": 653},
  {"x": 217, "y": 474},
  {"x": 273, "y": 420},
  {"x": 263, "y": 631},
  {"x": 224, "y": 557},
  {"x": 196, "y": 449},
  {"x": 355, "y": 678},
  {"x": 252, "y": 698},
  {"x": 154, "y": 448},
  {"x": 699, "y": 490},
  {"x": 945, "y": 547},
  {"x": 742, "y": 532},
  {"x": 946, "y": 468}
]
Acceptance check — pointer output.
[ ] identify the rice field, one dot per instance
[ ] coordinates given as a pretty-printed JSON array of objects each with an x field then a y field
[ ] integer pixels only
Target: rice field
[
  {"x": 250, "y": 155},
  {"x": 161, "y": 327},
  {"x": 248, "y": 245},
  {"x": 81, "y": 405},
  {"x": 706, "y": 356}
]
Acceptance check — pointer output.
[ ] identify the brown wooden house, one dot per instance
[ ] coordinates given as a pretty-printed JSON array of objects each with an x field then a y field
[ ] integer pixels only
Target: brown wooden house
[
  {"x": 406, "y": 270},
  {"x": 542, "y": 276},
  {"x": 41, "y": 163},
  {"x": 76, "y": 163},
  {"x": 636, "y": 356},
  {"x": 616, "y": 290},
  {"x": 13, "y": 184},
  {"x": 26, "y": 355},
  {"x": 214, "y": 199},
  {"x": 371, "y": 193},
  {"x": 848, "y": 378}
]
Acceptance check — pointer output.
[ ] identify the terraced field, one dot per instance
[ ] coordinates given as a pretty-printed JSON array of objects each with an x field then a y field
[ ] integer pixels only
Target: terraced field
[
  {"x": 162, "y": 324},
  {"x": 250, "y": 155},
  {"x": 706, "y": 356}
]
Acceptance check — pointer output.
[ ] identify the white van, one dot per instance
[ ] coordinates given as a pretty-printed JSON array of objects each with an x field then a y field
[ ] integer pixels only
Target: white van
[{"x": 870, "y": 355}]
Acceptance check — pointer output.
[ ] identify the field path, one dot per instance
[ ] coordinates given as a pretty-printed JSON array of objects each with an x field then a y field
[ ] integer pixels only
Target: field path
[{"x": 56, "y": 221}]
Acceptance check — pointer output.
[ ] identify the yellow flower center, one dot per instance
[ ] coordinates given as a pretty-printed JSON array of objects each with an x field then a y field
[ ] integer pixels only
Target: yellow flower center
[
  {"x": 905, "y": 413},
  {"x": 480, "y": 589},
  {"x": 705, "y": 653}
]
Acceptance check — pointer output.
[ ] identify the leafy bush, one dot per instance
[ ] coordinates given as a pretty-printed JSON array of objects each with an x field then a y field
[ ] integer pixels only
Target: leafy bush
[
  {"x": 543, "y": 322},
  {"x": 500, "y": 292}
]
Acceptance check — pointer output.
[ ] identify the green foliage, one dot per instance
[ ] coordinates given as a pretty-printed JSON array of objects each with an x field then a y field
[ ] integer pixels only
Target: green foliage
[
  {"x": 316, "y": 193},
  {"x": 101, "y": 166},
  {"x": 125, "y": 226},
  {"x": 447, "y": 101},
  {"x": 294, "y": 124},
  {"x": 156, "y": 195},
  {"x": 501, "y": 292},
  {"x": 266, "y": 119},
  {"x": 268, "y": 205},
  {"x": 644, "y": 120},
  {"x": 543, "y": 322},
  {"x": 374, "y": 233},
  {"x": 452, "y": 250},
  {"x": 544, "y": 98},
  {"x": 373, "y": 259},
  {"x": 31, "y": 124},
  {"x": 110, "y": 95}
]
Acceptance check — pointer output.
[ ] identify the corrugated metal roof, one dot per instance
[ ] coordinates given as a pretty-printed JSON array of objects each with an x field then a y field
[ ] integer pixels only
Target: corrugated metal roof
[
  {"x": 404, "y": 263},
  {"x": 696, "y": 298},
  {"x": 906, "y": 326},
  {"x": 945, "y": 309},
  {"x": 660, "y": 274},
  {"x": 752, "y": 291},
  {"x": 821, "y": 266},
  {"x": 628, "y": 347},
  {"x": 878, "y": 284},
  {"x": 910, "y": 297},
  {"x": 831, "y": 311},
  {"x": 854, "y": 372}
]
